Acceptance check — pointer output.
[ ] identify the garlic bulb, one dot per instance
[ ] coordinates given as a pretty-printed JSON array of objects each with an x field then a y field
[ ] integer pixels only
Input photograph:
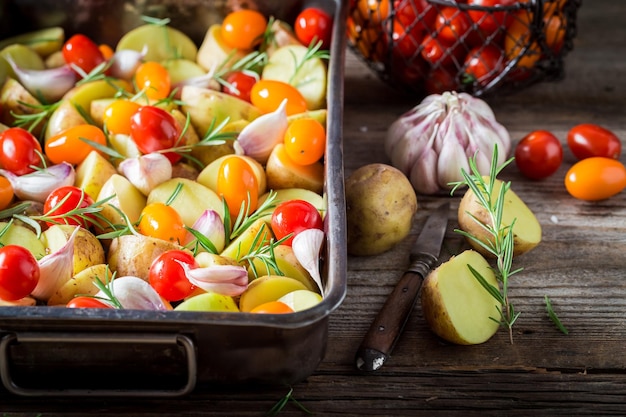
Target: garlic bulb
[{"x": 432, "y": 142}]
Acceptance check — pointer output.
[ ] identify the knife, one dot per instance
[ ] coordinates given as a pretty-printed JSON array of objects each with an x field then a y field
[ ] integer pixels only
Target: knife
[{"x": 385, "y": 330}]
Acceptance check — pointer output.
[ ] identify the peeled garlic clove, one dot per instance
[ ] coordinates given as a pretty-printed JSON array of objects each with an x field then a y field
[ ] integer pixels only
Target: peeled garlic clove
[
  {"x": 55, "y": 269},
  {"x": 37, "y": 185},
  {"x": 134, "y": 293},
  {"x": 260, "y": 136},
  {"x": 146, "y": 171}
]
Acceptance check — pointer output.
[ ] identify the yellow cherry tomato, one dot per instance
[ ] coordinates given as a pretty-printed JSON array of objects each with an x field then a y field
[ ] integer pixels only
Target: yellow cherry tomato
[
  {"x": 70, "y": 145},
  {"x": 243, "y": 29},
  {"x": 305, "y": 141},
  {"x": 117, "y": 116},
  {"x": 163, "y": 222},
  {"x": 154, "y": 79},
  {"x": 595, "y": 178},
  {"x": 272, "y": 307},
  {"x": 238, "y": 185},
  {"x": 267, "y": 95},
  {"x": 6, "y": 193}
]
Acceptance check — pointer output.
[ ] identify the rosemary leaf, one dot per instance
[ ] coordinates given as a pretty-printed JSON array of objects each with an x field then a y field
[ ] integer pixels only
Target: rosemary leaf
[{"x": 555, "y": 319}]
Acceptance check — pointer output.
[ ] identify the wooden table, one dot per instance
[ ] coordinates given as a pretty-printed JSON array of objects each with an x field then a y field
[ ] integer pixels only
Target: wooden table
[{"x": 580, "y": 265}]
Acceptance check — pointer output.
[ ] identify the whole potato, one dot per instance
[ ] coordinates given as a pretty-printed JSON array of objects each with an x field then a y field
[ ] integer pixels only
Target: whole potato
[{"x": 380, "y": 206}]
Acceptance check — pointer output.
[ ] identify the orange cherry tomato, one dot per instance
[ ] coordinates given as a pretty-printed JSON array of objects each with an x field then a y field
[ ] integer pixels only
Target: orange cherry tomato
[
  {"x": 162, "y": 222},
  {"x": 154, "y": 79},
  {"x": 305, "y": 141},
  {"x": 70, "y": 145},
  {"x": 267, "y": 95},
  {"x": 243, "y": 29},
  {"x": 107, "y": 51},
  {"x": 518, "y": 37},
  {"x": 6, "y": 193},
  {"x": 374, "y": 11},
  {"x": 595, "y": 178},
  {"x": 272, "y": 307},
  {"x": 117, "y": 116},
  {"x": 238, "y": 185}
]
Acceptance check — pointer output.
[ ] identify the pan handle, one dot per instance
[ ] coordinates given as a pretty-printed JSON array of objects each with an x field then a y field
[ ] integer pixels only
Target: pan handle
[{"x": 127, "y": 339}]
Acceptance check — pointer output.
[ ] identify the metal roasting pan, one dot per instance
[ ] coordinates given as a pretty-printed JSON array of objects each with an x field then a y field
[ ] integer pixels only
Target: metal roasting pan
[{"x": 52, "y": 351}]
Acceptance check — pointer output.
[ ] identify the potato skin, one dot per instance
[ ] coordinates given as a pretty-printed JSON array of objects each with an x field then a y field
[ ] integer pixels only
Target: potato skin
[{"x": 380, "y": 206}]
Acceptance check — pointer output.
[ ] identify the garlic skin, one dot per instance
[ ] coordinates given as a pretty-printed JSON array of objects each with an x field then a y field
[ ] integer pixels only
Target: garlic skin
[
  {"x": 125, "y": 62},
  {"x": 49, "y": 83},
  {"x": 38, "y": 184},
  {"x": 134, "y": 293},
  {"x": 231, "y": 280},
  {"x": 258, "y": 139},
  {"x": 211, "y": 225},
  {"x": 146, "y": 171},
  {"x": 432, "y": 142},
  {"x": 55, "y": 269}
]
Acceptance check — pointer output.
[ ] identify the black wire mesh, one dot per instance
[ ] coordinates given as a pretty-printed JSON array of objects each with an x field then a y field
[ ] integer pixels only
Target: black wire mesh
[{"x": 480, "y": 47}]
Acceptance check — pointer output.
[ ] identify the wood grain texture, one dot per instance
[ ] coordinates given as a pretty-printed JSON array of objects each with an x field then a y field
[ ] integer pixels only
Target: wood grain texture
[{"x": 580, "y": 265}]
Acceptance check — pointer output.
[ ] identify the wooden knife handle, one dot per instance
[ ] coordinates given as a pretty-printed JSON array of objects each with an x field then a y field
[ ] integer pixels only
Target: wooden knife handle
[{"x": 387, "y": 327}]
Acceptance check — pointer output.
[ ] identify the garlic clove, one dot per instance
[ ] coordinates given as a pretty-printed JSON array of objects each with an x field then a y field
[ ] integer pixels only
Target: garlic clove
[
  {"x": 260, "y": 136},
  {"x": 231, "y": 280},
  {"x": 423, "y": 175},
  {"x": 50, "y": 83},
  {"x": 415, "y": 141},
  {"x": 210, "y": 225},
  {"x": 449, "y": 164},
  {"x": 55, "y": 269},
  {"x": 146, "y": 171},
  {"x": 125, "y": 62},
  {"x": 306, "y": 247},
  {"x": 134, "y": 293},
  {"x": 38, "y": 184}
]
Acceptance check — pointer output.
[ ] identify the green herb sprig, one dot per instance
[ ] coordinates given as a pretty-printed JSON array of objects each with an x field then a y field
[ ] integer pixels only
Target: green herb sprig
[{"x": 500, "y": 244}]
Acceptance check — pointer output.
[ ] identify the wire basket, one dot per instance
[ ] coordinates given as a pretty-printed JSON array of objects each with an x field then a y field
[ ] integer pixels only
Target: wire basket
[{"x": 476, "y": 46}]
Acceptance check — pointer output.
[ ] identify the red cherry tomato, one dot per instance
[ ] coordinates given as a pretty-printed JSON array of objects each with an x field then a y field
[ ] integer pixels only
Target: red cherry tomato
[
  {"x": 483, "y": 64},
  {"x": 239, "y": 84},
  {"x": 595, "y": 178},
  {"x": 587, "y": 140},
  {"x": 86, "y": 302},
  {"x": 292, "y": 217},
  {"x": 167, "y": 275},
  {"x": 19, "y": 272},
  {"x": 452, "y": 24},
  {"x": 81, "y": 51},
  {"x": 153, "y": 130},
  {"x": 243, "y": 29},
  {"x": 313, "y": 25},
  {"x": 489, "y": 21},
  {"x": 406, "y": 42},
  {"x": 539, "y": 154},
  {"x": 440, "y": 79},
  {"x": 62, "y": 201},
  {"x": 19, "y": 150},
  {"x": 418, "y": 15},
  {"x": 440, "y": 52}
]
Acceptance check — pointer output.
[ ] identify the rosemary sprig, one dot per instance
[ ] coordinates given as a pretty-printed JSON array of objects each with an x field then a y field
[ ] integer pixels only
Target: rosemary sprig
[
  {"x": 31, "y": 121},
  {"x": 250, "y": 63},
  {"x": 500, "y": 244},
  {"x": 245, "y": 218},
  {"x": 313, "y": 51},
  {"x": 107, "y": 289}
]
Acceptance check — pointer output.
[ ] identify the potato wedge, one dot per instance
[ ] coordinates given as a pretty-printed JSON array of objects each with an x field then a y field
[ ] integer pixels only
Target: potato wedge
[
  {"x": 526, "y": 231},
  {"x": 454, "y": 303},
  {"x": 81, "y": 284}
]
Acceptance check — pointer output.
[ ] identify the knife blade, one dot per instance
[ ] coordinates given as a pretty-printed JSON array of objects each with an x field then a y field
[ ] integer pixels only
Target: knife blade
[{"x": 387, "y": 327}]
